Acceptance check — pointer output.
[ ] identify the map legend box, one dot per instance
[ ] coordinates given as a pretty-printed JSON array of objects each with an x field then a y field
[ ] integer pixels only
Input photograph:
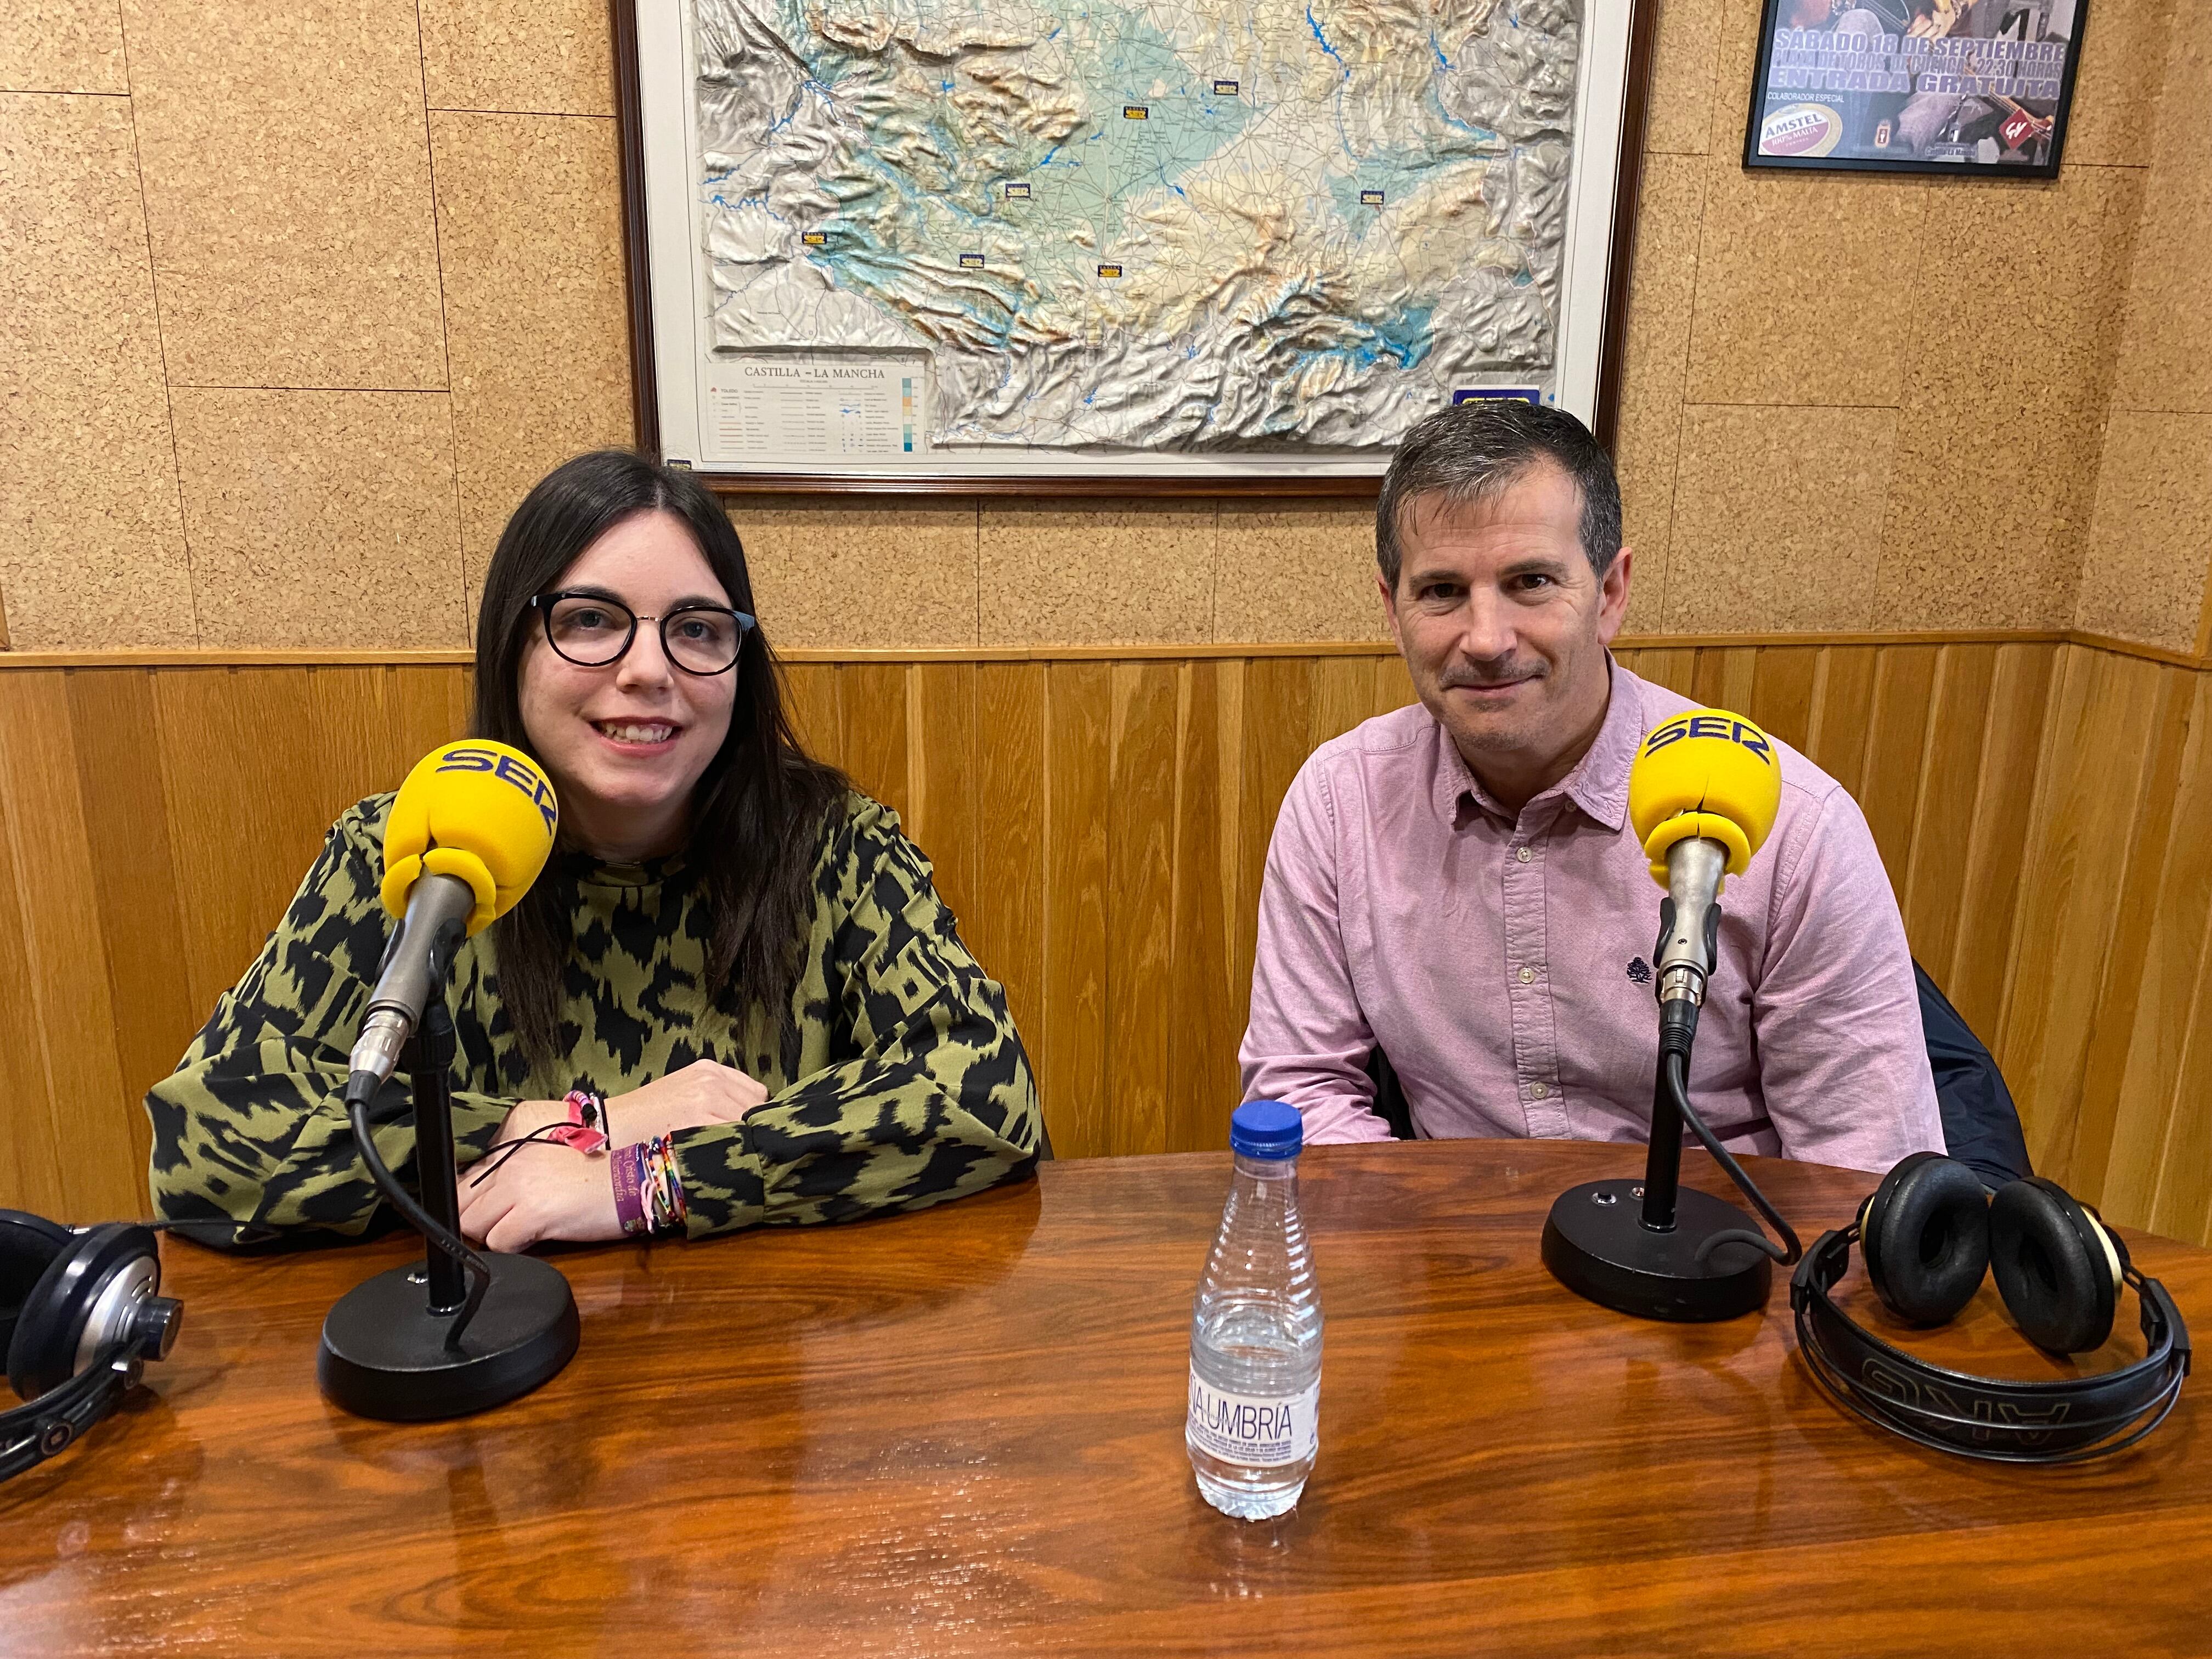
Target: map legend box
[{"x": 812, "y": 406}]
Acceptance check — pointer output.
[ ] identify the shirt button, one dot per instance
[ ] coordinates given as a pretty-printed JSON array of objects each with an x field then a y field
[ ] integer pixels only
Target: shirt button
[
  {"x": 1538, "y": 1090},
  {"x": 1528, "y": 976},
  {"x": 1522, "y": 854}
]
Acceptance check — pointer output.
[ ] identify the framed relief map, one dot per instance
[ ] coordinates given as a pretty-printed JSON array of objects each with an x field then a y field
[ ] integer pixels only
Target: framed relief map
[{"x": 1025, "y": 243}]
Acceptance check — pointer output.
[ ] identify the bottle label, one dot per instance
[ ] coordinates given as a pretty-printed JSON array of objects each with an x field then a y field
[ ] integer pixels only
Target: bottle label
[{"x": 1261, "y": 1431}]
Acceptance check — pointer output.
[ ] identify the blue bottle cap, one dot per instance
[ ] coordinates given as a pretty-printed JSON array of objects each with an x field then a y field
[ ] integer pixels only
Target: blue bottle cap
[{"x": 1266, "y": 1128}]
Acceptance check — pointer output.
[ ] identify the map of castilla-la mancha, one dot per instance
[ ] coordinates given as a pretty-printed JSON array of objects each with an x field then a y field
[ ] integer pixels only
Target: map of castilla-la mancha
[{"x": 1248, "y": 224}]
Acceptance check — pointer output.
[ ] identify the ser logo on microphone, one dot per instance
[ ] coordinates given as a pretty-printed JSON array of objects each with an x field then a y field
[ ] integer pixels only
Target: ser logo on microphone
[
  {"x": 507, "y": 770},
  {"x": 1710, "y": 726}
]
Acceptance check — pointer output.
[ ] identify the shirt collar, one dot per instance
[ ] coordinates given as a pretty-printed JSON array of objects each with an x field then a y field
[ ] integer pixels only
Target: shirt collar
[{"x": 1598, "y": 785}]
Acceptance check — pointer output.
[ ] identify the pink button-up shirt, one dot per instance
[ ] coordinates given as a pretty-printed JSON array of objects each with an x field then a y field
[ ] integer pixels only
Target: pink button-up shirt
[{"x": 1503, "y": 963}]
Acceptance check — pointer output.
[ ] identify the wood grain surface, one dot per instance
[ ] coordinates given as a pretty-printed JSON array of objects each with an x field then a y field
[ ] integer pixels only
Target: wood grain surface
[
  {"x": 1100, "y": 826},
  {"x": 960, "y": 1433}
]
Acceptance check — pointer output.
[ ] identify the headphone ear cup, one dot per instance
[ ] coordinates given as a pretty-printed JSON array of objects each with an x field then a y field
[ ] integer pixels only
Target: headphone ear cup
[
  {"x": 1925, "y": 1238},
  {"x": 2056, "y": 1267},
  {"x": 28, "y": 1245},
  {"x": 42, "y": 1353}
]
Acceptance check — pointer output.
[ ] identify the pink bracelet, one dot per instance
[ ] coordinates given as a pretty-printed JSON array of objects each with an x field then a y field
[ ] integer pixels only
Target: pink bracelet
[{"x": 587, "y": 1127}]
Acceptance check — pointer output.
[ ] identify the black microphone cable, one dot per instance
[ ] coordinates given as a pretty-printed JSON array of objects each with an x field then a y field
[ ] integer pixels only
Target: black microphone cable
[{"x": 1674, "y": 1070}]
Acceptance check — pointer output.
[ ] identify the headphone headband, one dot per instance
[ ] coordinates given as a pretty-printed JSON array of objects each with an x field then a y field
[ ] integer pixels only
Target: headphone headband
[
  {"x": 2064, "y": 1420},
  {"x": 50, "y": 1424}
]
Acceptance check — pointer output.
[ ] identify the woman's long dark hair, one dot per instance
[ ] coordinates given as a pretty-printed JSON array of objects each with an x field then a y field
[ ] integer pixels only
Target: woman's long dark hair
[{"x": 757, "y": 811}]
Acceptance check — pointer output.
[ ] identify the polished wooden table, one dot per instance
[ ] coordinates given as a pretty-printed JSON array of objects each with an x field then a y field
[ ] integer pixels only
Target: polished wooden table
[{"x": 960, "y": 1433}]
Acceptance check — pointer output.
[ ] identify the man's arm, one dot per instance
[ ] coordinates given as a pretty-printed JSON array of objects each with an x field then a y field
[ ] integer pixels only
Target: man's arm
[
  {"x": 1308, "y": 1040},
  {"x": 1842, "y": 1060}
]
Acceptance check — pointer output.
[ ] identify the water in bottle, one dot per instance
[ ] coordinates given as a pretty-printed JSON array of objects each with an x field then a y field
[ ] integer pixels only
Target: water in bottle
[{"x": 1256, "y": 1330}]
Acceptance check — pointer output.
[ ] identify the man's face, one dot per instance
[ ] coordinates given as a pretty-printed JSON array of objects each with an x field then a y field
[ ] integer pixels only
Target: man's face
[{"x": 1504, "y": 624}]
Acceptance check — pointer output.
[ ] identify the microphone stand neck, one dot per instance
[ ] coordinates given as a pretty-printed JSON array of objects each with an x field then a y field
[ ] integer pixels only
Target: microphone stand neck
[
  {"x": 1663, "y": 1162},
  {"x": 428, "y": 1058}
]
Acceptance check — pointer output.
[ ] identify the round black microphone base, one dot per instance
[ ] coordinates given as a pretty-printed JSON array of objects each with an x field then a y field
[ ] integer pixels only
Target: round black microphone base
[
  {"x": 384, "y": 1354},
  {"x": 1595, "y": 1244}
]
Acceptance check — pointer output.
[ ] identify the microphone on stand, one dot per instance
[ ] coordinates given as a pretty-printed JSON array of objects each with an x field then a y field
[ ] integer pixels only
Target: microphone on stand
[
  {"x": 469, "y": 831},
  {"x": 1703, "y": 793}
]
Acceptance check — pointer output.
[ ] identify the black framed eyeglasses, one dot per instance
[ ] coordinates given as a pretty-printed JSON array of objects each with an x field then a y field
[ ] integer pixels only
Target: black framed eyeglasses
[{"x": 592, "y": 631}]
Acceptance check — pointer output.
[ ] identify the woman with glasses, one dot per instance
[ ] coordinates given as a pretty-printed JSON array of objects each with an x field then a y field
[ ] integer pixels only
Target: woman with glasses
[{"x": 734, "y": 996}]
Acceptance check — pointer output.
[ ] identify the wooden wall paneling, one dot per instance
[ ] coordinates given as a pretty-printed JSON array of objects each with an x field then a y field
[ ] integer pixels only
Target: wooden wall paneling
[
  {"x": 2004, "y": 802},
  {"x": 2138, "y": 904},
  {"x": 1394, "y": 685},
  {"x": 1933, "y": 889},
  {"x": 872, "y": 711},
  {"x": 1676, "y": 670},
  {"x": 1782, "y": 692},
  {"x": 2130, "y": 1085},
  {"x": 96, "y": 1170},
  {"x": 1140, "y": 812},
  {"x": 1889, "y": 783},
  {"x": 2181, "y": 1203},
  {"x": 1006, "y": 926},
  {"x": 1723, "y": 676},
  {"x": 1277, "y": 716},
  {"x": 1843, "y": 702},
  {"x": 1342, "y": 696},
  {"x": 140, "y": 930},
  {"x": 2097, "y": 745},
  {"x": 941, "y": 776},
  {"x": 1073, "y": 1073},
  {"x": 234, "y": 755},
  {"x": 31, "y": 1148},
  {"x": 809, "y": 703},
  {"x": 1203, "y": 1007}
]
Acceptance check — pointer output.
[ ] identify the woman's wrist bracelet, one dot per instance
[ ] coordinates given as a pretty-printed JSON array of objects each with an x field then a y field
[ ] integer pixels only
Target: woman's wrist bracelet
[
  {"x": 629, "y": 1202},
  {"x": 660, "y": 1186}
]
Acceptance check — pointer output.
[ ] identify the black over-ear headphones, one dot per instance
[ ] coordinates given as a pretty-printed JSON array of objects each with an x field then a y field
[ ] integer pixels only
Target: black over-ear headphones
[
  {"x": 78, "y": 1318},
  {"x": 1928, "y": 1235}
]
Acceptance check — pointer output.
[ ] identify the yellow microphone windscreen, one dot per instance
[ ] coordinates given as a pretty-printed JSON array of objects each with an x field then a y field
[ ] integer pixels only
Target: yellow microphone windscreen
[
  {"x": 477, "y": 810},
  {"x": 1706, "y": 773}
]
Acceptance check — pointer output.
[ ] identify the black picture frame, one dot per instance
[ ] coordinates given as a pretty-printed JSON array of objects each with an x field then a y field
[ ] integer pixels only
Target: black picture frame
[{"x": 1759, "y": 112}]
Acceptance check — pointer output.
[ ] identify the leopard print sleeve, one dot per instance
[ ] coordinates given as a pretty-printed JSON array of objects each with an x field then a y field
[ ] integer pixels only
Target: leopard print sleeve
[
  {"x": 250, "y": 1129},
  {"x": 928, "y": 1095}
]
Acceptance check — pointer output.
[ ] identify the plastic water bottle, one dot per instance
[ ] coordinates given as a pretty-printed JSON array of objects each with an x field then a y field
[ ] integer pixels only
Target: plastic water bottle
[{"x": 1256, "y": 1330}]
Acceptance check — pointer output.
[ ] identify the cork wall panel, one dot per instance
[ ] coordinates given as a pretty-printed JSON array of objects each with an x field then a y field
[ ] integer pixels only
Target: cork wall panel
[
  {"x": 1096, "y": 572},
  {"x": 288, "y": 188},
  {"x": 1662, "y": 292},
  {"x": 530, "y": 228},
  {"x": 1800, "y": 279},
  {"x": 92, "y": 549},
  {"x": 2163, "y": 360},
  {"x": 1297, "y": 572},
  {"x": 372, "y": 194},
  {"x": 1687, "y": 50},
  {"x": 61, "y": 45},
  {"x": 1742, "y": 559},
  {"x": 324, "y": 517},
  {"x": 2114, "y": 119},
  {"x": 528, "y": 56},
  {"x": 2149, "y": 546},
  {"x": 1988, "y": 532},
  {"x": 868, "y": 575}
]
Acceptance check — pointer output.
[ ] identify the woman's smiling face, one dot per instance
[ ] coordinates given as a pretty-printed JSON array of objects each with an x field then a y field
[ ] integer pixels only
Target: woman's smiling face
[{"x": 627, "y": 743}]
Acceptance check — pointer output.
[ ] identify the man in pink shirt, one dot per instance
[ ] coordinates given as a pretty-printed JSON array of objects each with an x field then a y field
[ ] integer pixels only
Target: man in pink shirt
[{"x": 1457, "y": 884}]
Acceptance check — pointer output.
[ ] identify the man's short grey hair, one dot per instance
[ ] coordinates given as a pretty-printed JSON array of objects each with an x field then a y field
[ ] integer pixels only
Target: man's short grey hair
[{"x": 1474, "y": 450}]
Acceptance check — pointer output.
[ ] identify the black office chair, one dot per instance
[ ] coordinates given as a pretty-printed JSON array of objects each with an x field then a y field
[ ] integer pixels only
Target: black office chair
[{"x": 1981, "y": 1125}]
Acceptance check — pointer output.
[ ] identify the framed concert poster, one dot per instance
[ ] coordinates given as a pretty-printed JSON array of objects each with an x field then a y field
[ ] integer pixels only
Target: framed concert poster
[
  {"x": 1026, "y": 245},
  {"x": 1975, "y": 87}
]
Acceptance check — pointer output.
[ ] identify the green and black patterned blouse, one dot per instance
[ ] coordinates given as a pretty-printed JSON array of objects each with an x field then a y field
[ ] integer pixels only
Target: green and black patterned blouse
[{"x": 899, "y": 1081}]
